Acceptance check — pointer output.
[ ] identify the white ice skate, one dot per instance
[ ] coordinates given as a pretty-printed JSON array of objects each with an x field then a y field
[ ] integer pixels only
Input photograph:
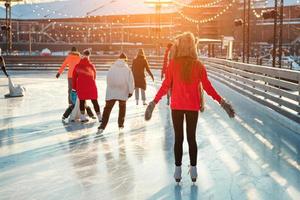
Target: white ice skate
[
  {"x": 100, "y": 131},
  {"x": 83, "y": 118},
  {"x": 177, "y": 174},
  {"x": 193, "y": 173},
  {"x": 137, "y": 102},
  {"x": 144, "y": 103}
]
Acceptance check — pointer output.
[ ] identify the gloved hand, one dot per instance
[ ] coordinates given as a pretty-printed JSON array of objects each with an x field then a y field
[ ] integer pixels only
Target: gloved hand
[
  {"x": 73, "y": 96},
  {"x": 149, "y": 110},
  {"x": 228, "y": 108},
  {"x": 57, "y": 75},
  {"x": 129, "y": 95}
]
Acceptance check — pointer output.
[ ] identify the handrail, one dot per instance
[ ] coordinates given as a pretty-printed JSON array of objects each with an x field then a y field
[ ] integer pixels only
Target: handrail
[{"x": 276, "y": 88}]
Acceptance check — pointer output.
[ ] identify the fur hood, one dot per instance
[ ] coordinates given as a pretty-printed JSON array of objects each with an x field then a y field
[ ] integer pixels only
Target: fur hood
[{"x": 120, "y": 63}]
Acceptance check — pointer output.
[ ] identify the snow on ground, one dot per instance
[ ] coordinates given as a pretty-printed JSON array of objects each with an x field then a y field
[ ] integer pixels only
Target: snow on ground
[{"x": 250, "y": 157}]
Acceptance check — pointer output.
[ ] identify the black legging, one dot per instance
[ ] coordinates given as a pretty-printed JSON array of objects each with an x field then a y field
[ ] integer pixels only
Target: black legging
[
  {"x": 191, "y": 125},
  {"x": 95, "y": 104}
]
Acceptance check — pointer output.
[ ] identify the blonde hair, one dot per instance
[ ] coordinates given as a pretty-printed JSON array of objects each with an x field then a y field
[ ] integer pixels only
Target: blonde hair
[
  {"x": 141, "y": 53},
  {"x": 185, "y": 46},
  {"x": 185, "y": 52}
]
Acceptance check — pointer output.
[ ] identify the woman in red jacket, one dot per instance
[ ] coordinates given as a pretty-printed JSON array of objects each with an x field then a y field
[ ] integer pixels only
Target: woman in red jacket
[
  {"x": 84, "y": 83},
  {"x": 184, "y": 75}
]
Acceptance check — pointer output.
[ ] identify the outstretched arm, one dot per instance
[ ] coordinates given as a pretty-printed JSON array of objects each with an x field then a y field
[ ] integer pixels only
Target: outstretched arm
[
  {"x": 148, "y": 70},
  {"x": 209, "y": 89},
  {"x": 161, "y": 92},
  {"x": 166, "y": 84},
  {"x": 165, "y": 64},
  {"x": 62, "y": 68}
]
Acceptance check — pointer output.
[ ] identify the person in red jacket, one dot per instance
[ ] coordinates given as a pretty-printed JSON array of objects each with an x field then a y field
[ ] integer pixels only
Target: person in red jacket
[
  {"x": 84, "y": 83},
  {"x": 184, "y": 75}
]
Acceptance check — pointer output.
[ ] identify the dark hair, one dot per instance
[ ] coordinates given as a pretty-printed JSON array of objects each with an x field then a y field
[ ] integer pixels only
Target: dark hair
[
  {"x": 74, "y": 49},
  {"x": 123, "y": 56},
  {"x": 87, "y": 52},
  {"x": 169, "y": 45}
]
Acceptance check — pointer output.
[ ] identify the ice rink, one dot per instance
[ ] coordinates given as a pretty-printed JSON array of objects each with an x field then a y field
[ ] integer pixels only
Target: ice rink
[{"x": 255, "y": 156}]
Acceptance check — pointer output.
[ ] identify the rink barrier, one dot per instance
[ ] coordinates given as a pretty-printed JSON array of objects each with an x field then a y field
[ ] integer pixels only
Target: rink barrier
[
  {"x": 279, "y": 89},
  {"x": 102, "y": 63}
]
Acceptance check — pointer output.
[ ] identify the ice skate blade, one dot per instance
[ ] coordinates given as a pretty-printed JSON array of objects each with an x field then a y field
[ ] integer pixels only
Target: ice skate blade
[{"x": 8, "y": 96}]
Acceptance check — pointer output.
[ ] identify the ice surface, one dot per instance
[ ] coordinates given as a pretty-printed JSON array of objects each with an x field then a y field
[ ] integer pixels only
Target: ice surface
[{"x": 251, "y": 157}]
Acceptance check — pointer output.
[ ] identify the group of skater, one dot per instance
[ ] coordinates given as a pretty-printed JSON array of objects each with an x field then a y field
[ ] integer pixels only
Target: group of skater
[
  {"x": 122, "y": 81},
  {"x": 184, "y": 80}
]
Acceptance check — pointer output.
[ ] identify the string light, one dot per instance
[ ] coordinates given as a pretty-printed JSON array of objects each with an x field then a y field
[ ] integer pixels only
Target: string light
[
  {"x": 206, "y": 20},
  {"x": 178, "y": 3},
  {"x": 54, "y": 12},
  {"x": 258, "y": 15}
]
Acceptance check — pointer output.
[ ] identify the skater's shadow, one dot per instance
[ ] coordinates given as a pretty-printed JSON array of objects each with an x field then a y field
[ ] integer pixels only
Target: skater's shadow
[
  {"x": 193, "y": 193},
  {"x": 83, "y": 153},
  {"x": 119, "y": 170},
  {"x": 76, "y": 126},
  {"x": 177, "y": 192}
]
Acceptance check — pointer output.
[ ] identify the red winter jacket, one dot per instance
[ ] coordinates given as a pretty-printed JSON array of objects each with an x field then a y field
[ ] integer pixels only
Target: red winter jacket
[
  {"x": 84, "y": 80},
  {"x": 186, "y": 96}
]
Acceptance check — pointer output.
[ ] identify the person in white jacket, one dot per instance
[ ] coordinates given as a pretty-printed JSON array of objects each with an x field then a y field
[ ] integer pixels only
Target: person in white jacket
[{"x": 120, "y": 86}]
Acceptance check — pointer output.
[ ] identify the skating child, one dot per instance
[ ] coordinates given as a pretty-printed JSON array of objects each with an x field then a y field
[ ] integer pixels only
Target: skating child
[
  {"x": 184, "y": 75},
  {"x": 139, "y": 65},
  {"x": 72, "y": 106},
  {"x": 84, "y": 83},
  {"x": 120, "y": 86}
]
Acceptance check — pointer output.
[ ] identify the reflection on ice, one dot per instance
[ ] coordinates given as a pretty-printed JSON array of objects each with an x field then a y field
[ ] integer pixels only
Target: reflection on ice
[{"x": 251, "y": 157}]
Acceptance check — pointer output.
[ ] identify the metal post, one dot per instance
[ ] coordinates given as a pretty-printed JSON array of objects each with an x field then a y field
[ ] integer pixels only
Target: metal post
[
  {"x": 248, "y": 31},
  {"x": 6, "y": 23},
  {"x": 280, "y": 32},
  {"x": 30, "y": 40},
  {"x": 10, "y": 30},
  {"x": 274, "y": 36},
  {"x": 122, "y": 39},
  {"x": 244, "y": 30},
  {"x": 158, "y": 9}
]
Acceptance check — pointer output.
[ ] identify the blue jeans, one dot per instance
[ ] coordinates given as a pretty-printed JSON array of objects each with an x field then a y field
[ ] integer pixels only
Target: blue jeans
[{"x": 137, "y": 94}]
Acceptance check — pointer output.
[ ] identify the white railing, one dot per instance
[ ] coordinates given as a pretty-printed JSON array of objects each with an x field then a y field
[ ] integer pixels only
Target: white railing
[{"x": 276, "y": 88}]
